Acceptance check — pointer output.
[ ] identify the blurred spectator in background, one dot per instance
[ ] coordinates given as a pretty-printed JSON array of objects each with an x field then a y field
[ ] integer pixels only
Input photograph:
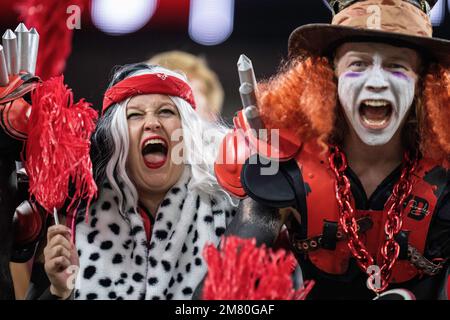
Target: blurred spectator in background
[{"x": 208, "y": 91}]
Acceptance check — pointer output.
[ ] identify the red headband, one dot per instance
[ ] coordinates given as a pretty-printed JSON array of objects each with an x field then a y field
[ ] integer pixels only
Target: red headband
[{"x": 148, "y": 83}]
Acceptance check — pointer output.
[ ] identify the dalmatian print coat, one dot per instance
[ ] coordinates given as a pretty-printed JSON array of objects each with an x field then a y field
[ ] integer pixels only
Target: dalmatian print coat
[{"x": 117, "y": 262}]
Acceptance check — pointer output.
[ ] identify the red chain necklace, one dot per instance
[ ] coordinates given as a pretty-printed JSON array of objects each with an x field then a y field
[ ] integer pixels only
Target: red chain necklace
[{"x": 389, "y": 249}]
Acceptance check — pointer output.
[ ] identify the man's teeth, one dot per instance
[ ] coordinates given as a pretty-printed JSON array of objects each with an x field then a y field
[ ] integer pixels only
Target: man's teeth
[
  {"x": 372, "y": 122},
  {"x": 376, "y": 103},
  {"x": 154, "y": 141}
]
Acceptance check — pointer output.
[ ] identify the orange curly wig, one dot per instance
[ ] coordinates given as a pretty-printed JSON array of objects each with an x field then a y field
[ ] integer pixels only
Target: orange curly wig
[{"x": 302, "y": 97}]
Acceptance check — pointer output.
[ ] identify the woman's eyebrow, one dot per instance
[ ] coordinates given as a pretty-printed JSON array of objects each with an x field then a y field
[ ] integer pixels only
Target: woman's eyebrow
[{"x": 134, "y": 107}]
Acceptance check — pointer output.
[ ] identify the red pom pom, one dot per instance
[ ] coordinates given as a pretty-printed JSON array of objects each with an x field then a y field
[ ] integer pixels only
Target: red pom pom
[
  {"x": 242, "y": 271},
  {"x": 57, "y": 150}
]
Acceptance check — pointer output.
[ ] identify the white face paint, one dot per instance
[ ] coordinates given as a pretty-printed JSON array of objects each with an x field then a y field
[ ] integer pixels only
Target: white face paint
[{"x": 376, "y": 88}]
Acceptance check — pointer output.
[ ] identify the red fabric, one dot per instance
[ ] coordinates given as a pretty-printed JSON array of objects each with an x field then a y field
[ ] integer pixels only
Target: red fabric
[
  {"x": 147, "y": 224},
  {"x": 145, "y": 84}
]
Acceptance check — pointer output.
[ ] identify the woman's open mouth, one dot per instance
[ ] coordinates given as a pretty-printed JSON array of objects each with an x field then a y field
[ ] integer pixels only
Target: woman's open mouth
[
  {"x": 375, "y": 114},
  {"x": 154, "y": 151}
]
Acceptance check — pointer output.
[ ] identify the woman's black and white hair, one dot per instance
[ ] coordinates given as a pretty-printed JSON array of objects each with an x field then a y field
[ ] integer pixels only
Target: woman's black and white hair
[{"x": 110, "y": 143}]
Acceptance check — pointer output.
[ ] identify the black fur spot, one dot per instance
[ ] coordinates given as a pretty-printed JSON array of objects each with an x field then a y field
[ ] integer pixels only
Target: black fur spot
[
  {"x": 126, "y": 244},
  {"x": 106, "y": 205},
  {"x": 165, "y": 203},
  {"x": 138, "y": 277},
  {"x": 187, "y": 291},
  {"x": 89, "y": 272},
  {"x": 220, "y": 231},
  {"x": 213, "y": 202},
  {"x": 195, "y": 216},
  {"x": 169, "y": 225},
  {"x": 130, "y": 290},
  {"x": 166, "y": 265},
  {"x": 106, "y": 282},
  {"x": 117, "y": 259},
  {"x": 93, "y": 212},
  {"x": 156, "y": 298},
  {"x": 175, "y": 190},
  {"x": 195, "y": 237},
  {"x": 151, "y": 246},
  {"x": 152, "y": 261},
  {"x": 138, "y": 259},
  {"x": 91, "y": 296},
  {"x": 208, "y": 219},
  {"x": 91, "y": 236},
  {"x": 94, "y": 222},
  {"x": 169, "y": 296},
  {"x": 195, "y": 251},
  {"x": 190, "y": 228},
  {"x": 171, "y": 282},
  {"x": 79, "y": 253},
  {"x": 124, "y": 275},
  {"x": 161, "y": 234},
  {"x": 216, "y": 212},
  {"x": 114, "y": 228},
  {"x": 94, "y": 256},
  {"x": 136, "y": 230},
  {"x": 152, "y": 281},
  {"x": 197, "y": 202},
  {"x": 184, "y": 248},
  {"x": 198, "y": 261},
  {"x": 177, "y": 264},
  {"x": 112, "y": 295},
  {"x": 169, "y": 245},
  {"x": 159, "y": 216},
  {"x": 106, "y": 245},
  {"x": 188, "y": 267},
  {"x": 77, "y": 294},
  {"x": 181, "y": 205},
  {"x": 179, "y": 277}
]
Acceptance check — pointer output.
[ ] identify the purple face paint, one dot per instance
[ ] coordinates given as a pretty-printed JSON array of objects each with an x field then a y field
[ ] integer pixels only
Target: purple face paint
[
  {"x": 400, "y": 75},
  {"x": 352, "y": 74}
]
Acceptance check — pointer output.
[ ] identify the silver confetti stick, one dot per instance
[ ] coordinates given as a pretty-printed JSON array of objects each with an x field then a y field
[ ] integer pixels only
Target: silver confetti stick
[
  {"x": 9, "y": 41},
  {"x": 4, "y": 79},
  {"x": 23, "y": 39},
  {"x": 247, "y": 91},
  {"x": 245, "y": 70},
  {"x": 33, "y": 50}
]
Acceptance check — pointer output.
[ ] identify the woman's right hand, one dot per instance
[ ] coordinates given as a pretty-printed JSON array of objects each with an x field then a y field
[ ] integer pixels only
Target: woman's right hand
[{"x": 61, "y": 260}]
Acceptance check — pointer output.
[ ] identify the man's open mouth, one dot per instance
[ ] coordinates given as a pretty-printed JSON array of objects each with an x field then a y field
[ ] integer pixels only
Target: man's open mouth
[
  {"x": 154, "y": 150},
  {"x": 375, "y": 114}
]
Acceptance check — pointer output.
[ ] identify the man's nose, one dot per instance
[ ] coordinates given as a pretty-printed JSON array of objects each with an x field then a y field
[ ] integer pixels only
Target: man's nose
[{"x": 377, "y": 80}]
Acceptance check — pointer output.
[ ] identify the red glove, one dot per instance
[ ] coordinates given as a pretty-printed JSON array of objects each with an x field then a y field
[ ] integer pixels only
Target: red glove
[{"x": 241, "y": 143}]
